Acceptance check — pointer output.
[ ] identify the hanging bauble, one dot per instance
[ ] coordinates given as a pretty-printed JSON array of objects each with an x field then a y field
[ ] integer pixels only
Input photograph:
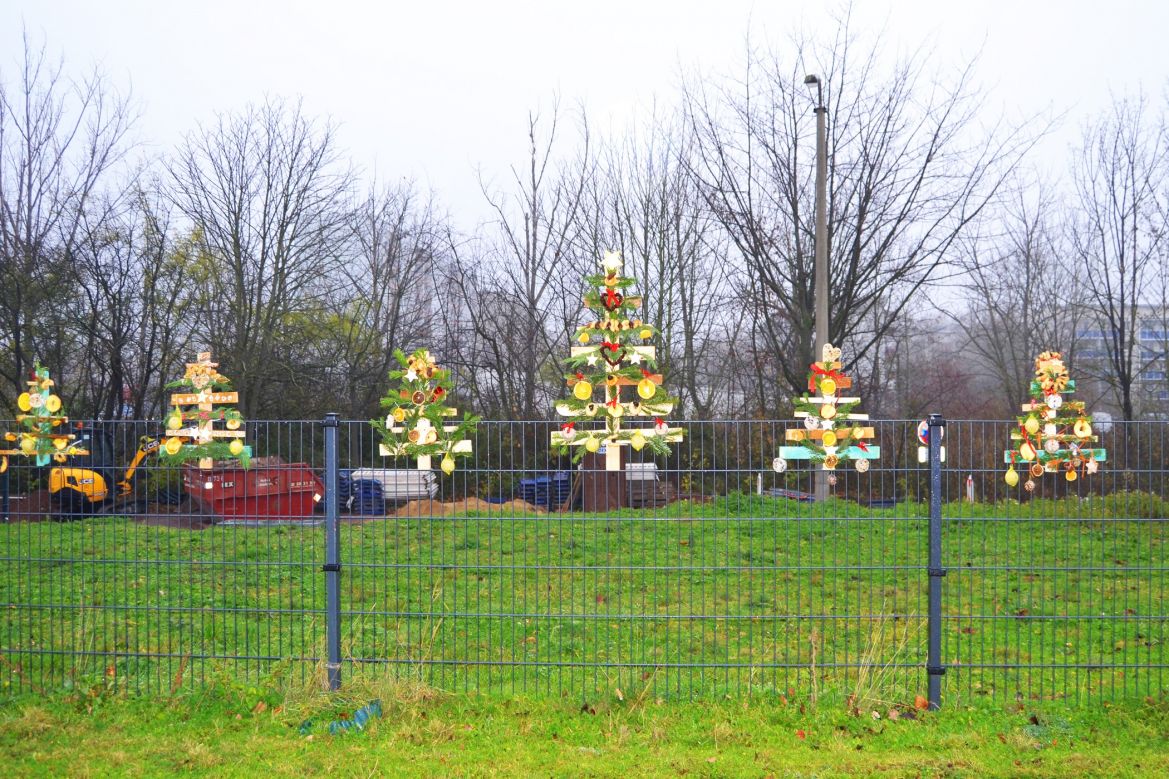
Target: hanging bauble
[
  {"x": 1070, "y": 474},
  {"x": 1027, "y": 451},
  {"x": 447, "y": 464},
  {"x": 1029, "y": 485},
  {"x": 1082, "y": 428},
  {"x": 861, "y": 465},
  {"x": 1036, "y": 470},
  {"x": 1011, "y": 477},
  {"x": 828, "y": 387},
  {"x": 832, "y": 480},
  {"x": 568, "y": 432},
  {"x": 174, "y": 421},
  {"x": 831, "y": 461},
  {"x": 236, "y": 447},
  {"x": 637, "y": 441},
  {"x": 779, "y": 465},
  {"x": 811, "y": 422},
  {"x": 592, "y": 444},
  {"x": 582, "y": 390},
  {"x": 233, "y": 423},
  {"x": 646, "y": 388},
  {"x": 660, "y": 427},
  {"x": 173, "y": 445},
  {"x": 1031, "y": 425},
  {"x": 1054, "y": 401},
  {"x": 1091, "y": 466}
]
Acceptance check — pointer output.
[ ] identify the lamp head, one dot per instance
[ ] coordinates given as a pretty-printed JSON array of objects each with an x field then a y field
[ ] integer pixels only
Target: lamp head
[{"x": 811, "y": 79}]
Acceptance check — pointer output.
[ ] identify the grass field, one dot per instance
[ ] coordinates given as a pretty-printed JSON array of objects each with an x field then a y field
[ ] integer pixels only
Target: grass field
[
  {"x": 747, "y": 596},
  {"x": 236, "y": 732}
]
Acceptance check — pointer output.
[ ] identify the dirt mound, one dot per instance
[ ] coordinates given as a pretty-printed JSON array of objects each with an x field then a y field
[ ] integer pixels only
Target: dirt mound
[{"x": 433, "y": 508}]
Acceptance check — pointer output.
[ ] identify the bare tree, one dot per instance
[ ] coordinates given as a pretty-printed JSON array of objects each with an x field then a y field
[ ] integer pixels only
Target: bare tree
[
  {"x": 266, "y": 190},
  {"x": 909, "y": 169},
  {"x": 525, "y": 294},
  {"x": 1021, "y": 296},
  {"x": 1119, "y": 235},
  {"x": 59, "y": 140}
]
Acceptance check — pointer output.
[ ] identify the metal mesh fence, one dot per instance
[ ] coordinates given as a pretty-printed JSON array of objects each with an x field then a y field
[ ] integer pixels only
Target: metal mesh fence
[{"x": 702, "y": 573}]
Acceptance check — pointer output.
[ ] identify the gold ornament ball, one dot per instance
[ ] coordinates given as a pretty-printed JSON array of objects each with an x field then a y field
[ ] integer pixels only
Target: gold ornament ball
[
  {"x": 828, "y": 387},
  {"x": 646, "y": 388},
  {"x": 236, "y": 447},
  {"x": 447, "y": 465},
  {"x": 1011, "y": 477},
  {"x": 592, "y": 444},
  {"x": 583, "y": 390}
]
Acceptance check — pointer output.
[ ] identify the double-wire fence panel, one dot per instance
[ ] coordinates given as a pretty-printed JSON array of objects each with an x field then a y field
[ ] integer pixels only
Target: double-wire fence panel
[{"x": 701, "y": 573}]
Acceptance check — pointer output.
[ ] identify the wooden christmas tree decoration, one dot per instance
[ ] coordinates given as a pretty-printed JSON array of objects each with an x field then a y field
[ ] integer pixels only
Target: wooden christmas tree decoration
[
  {"x": 832, "y": 432},
  {"x": 614, "y": 354},
  {"x": 416, "y": 423},
  {"x": 45, "y": 427},
  {"x": 1054, "y": 434},
  {"x": 190, "y": 425}
]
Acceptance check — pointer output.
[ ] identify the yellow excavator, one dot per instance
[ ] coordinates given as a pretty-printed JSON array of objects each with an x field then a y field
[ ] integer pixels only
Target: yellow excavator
[{"x": 92, "y": 483}]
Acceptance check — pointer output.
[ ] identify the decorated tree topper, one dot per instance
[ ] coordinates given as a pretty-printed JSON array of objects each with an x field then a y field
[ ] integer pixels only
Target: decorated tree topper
[
  {"x": 1054, "y": 434},
  {"x": 190, "y": 425},
  {"x": 44, "y": 427},
  {"x": 416, "y": 423},
  {"x": 614, "y": 353},
  {"x": 832, "y": 432}
]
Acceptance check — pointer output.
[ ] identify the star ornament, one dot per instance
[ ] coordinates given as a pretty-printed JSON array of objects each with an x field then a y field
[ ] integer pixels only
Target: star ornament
[{"x": 611, "y": 262}]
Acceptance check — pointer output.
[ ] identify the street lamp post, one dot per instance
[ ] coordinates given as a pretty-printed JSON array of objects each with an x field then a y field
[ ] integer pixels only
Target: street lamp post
[{"x": 821, "y": 274}]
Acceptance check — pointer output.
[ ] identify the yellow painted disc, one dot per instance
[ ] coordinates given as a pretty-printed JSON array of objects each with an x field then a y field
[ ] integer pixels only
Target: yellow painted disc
[
  {"x": 53, "y": 404},
  {"x": 829, "y": 438},
  {"x": 827, "y": 411},
  {"x": 646, "y": 388},
  {"x": 24, "y": 403},
  {"x": 1070, "y": 475},
  {"x": 173, "y": 445},
  {"x": 60, "y": 443},
  {"x": 828, "y": 387},
  {"x": 233, "y": 424},
  {"x": 583, "y": 390}
]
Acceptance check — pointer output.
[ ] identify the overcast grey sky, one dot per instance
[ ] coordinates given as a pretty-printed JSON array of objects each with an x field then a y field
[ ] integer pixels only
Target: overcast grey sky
[{"x": 435, "y": 90}]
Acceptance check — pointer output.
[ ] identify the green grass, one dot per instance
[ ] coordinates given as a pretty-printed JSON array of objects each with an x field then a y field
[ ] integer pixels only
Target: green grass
[
  {"x": 239, "y": 732},
  {"x": 747, "y": 596}
]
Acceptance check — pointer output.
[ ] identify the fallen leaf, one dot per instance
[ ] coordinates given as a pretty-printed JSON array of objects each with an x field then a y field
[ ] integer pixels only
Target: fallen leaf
[
  {"x": 876, "y": 714},
  {"x": 921, "y": 703},
  {"x": 801, "y": 734},
  {"x": 710, "y": 759},
  {"x": 259, "y": 708},
  {"x": 894, "y": 714}
]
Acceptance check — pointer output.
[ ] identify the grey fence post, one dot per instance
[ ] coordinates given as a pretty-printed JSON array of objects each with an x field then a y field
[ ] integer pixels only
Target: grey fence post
[
  {"x": 332, "y": 556},
  {"x": 933, "y": 664}
]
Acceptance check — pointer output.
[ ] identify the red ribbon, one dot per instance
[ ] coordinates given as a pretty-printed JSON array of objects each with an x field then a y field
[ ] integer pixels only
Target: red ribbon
[
  {"x": 834, "y": 375},
  {"x": 568, "y": 426},
  {"x": 862, "y": 446},
  {"x": 612, "y": 347}
]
